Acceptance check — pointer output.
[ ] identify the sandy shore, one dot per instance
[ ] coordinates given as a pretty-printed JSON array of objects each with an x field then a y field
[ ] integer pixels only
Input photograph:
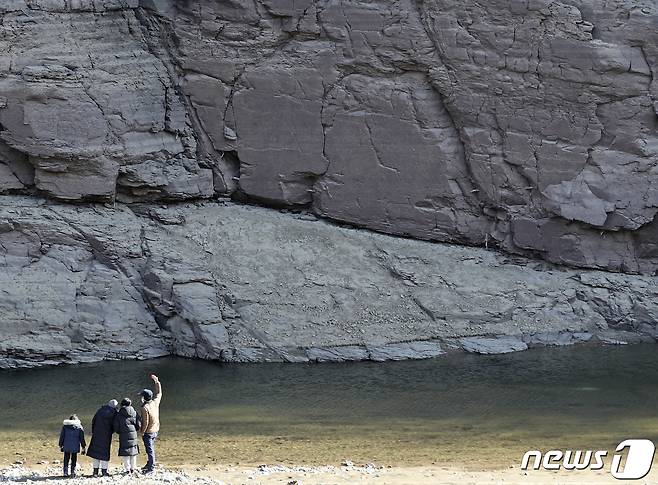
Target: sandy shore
[{"x": 318, "y": 475}]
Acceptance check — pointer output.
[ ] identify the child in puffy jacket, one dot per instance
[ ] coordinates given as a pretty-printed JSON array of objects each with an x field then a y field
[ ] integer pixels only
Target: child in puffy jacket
[{"x": 71, "y": 442}]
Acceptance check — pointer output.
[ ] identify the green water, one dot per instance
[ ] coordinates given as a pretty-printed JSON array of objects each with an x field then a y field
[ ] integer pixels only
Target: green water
[{"x": 459, "y": 409}]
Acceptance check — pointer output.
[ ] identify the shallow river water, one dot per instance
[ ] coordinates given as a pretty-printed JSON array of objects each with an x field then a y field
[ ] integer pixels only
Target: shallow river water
[{"x": 461, "y": 409}]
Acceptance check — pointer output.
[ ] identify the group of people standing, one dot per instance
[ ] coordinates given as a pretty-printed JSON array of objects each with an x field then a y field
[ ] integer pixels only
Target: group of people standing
[{"x": 121, "y": 419}]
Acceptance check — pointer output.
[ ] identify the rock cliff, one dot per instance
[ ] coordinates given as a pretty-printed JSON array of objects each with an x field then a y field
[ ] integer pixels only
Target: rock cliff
[
  {"x": 525, "y": 125},
  {"x": 529, "y": 127},
  {"x": 217, "y": 280}
]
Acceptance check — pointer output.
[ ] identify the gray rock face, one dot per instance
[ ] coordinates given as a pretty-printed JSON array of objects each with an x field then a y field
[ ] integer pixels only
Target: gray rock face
[
  {"x": 405, "y": 350},
  {"x": 500, "y": 345},
  {"x": 238, "y": 283},
  {"x": 528, "y": 126}
]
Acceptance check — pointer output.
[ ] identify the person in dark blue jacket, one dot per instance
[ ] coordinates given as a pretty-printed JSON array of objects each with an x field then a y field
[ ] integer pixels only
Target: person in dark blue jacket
[
  {"x": 101, "y": 439},
  {"x": 71, "y": 442}
]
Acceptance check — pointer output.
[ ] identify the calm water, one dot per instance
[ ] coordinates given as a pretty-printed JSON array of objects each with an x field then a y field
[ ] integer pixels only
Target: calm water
[{"x": 460, "y": 409}]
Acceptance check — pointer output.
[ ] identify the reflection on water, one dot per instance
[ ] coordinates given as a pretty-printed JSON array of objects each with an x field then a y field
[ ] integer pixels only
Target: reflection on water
[{"x": 456, "y": 409}]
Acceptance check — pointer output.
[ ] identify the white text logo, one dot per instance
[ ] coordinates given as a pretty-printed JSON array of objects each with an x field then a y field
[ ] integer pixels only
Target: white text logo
[{"x": 639, "y": 458}]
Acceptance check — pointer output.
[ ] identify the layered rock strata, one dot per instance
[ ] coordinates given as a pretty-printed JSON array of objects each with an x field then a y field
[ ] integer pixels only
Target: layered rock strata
[
  {"x": 527, "y": 126},
  {"x": 237, "y": 283}
]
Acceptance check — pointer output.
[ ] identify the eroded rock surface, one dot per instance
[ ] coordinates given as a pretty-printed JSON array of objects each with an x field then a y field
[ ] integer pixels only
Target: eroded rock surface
[
  {"x": 238, "y": 283},
  {"x": 527, "y": 126}
]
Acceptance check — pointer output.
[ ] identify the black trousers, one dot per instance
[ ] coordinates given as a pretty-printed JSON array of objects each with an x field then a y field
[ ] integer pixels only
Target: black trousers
[{"x": 73, "y": 458}]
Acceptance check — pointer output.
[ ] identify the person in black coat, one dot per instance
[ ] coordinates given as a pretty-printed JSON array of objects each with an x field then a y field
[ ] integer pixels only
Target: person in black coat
[
  {"x": 102, "y": 427},
  {"x": 71, "y": 441},
  {"x": 126, "y": 424}
]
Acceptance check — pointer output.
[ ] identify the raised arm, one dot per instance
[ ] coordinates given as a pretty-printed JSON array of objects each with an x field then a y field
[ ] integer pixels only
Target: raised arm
[{"x": 158, "y": 389}]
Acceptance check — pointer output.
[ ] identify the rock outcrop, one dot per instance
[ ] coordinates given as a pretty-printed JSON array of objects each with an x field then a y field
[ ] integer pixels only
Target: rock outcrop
[
  {"x": 527, "y": 126},
  {"x": 238, "y": 283},
  {"x": 530, "y": 127}
]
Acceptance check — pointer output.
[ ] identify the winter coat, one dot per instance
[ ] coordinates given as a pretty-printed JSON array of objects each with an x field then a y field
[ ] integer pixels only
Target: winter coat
[
  {"x": 151, "y": 412},
  {"x": 72, "y": 436},
  {"x": 102, "y": 427},
  {"x": 126, "y": 424}
]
